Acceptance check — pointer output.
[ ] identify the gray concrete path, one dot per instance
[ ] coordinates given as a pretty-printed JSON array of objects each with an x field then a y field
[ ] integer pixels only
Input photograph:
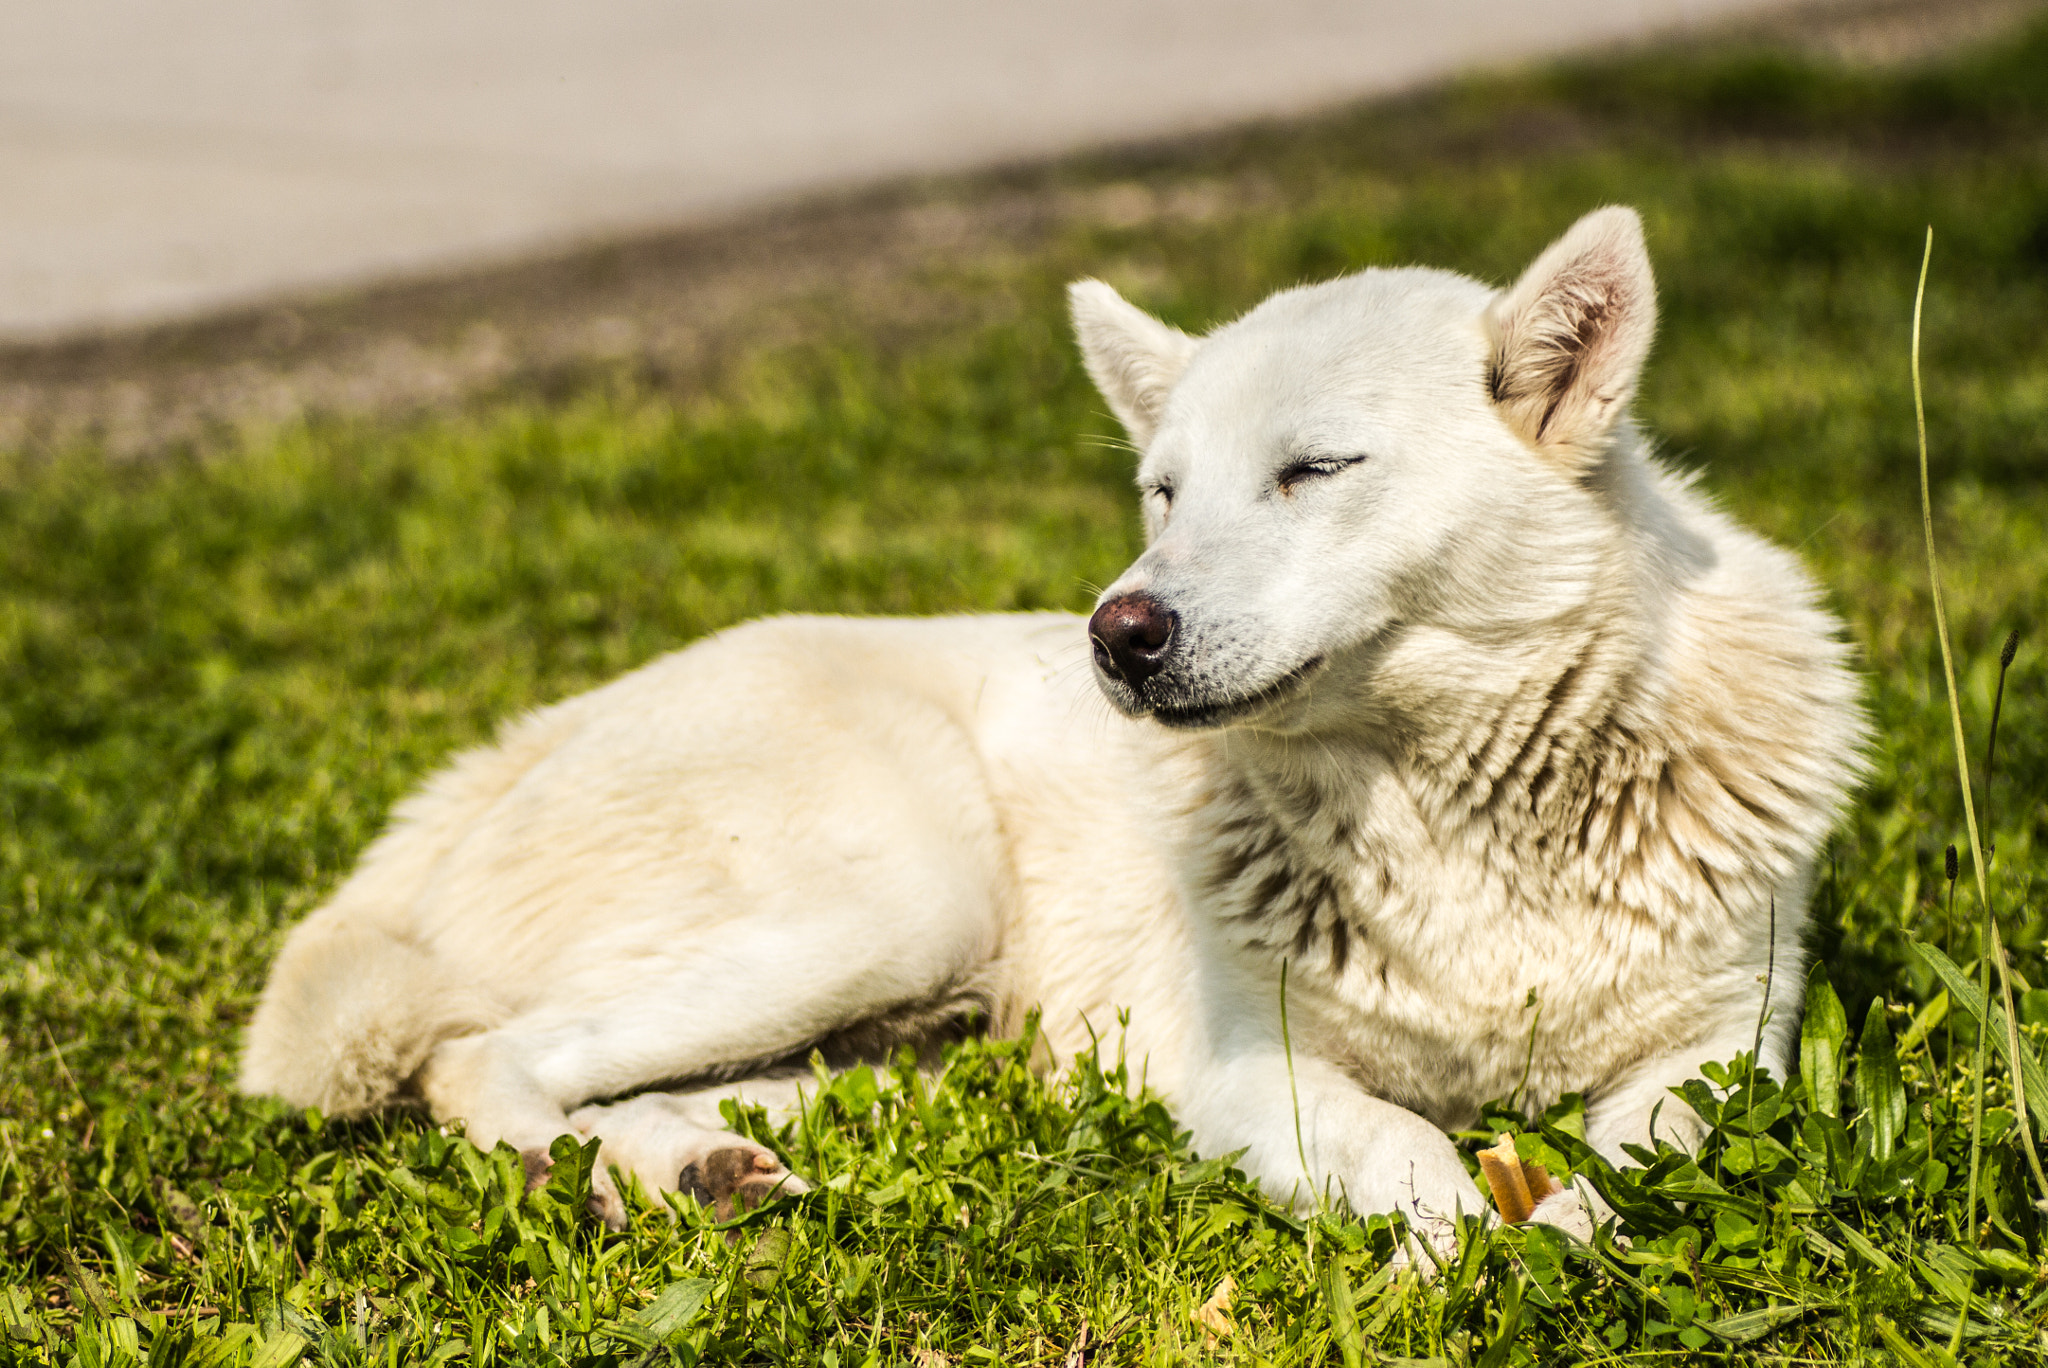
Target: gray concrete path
[{"x": 162, "y": 160}]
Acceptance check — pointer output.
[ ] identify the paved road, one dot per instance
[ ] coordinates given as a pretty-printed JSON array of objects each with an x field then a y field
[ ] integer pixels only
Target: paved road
[{"x": 162, "y": 159}]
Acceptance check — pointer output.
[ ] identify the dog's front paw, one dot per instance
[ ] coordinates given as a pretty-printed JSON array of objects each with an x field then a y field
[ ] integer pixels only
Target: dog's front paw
[
  {"x": 737, "y": 1179},
  {"x": 1576, "y": 1214},
  {"x": 1565, "y": 1211},
  {"x": 1430, "y": 1244}
]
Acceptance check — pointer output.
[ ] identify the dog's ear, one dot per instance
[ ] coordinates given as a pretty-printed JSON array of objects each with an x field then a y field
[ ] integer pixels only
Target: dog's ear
[
  {"x": 1571, "y": 337},
  {"x": 1133, "y": 358}
]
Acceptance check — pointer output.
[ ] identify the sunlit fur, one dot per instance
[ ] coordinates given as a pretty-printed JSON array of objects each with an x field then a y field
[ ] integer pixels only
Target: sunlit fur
[{"x": 1486, "y": 710}]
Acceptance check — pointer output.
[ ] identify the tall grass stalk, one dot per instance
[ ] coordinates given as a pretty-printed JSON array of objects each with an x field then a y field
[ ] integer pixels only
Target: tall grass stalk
[
  {"x": 2005, "y": 659},
  {"x": 1293, "y": 1095},
  {"x": 1955, "y": 712},
  {"x": 1950, "y": 869}
]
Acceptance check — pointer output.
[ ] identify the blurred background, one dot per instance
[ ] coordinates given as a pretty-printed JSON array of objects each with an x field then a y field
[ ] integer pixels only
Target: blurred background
[
  {"x": 168, "y": 160},
  {"x": 239, "y": 169}
]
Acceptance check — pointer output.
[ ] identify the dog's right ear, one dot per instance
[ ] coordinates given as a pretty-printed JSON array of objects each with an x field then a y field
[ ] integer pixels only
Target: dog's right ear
[
  {"x": 1133, "y": 358},
  {"x": 1571, "y": 337}
]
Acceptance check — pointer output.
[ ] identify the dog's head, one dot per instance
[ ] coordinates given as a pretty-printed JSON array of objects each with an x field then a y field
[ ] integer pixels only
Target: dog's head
[{"x": 1395, "y": 448}]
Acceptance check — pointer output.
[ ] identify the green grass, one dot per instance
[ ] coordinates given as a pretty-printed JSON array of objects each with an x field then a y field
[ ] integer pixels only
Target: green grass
[{"x": 217, "y": 672}]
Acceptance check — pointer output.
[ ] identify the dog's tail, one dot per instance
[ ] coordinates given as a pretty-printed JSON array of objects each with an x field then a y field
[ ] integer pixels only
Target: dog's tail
[
  {"x": 349, "y": 1015},
  {"x": 354, "y": 1004}
]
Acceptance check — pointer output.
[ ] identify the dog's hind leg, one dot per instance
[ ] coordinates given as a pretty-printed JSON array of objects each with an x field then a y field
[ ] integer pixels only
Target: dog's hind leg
[
  {"x": 506, "y": 1086},
  {"x": 664, "y": 1139},
  {"x": 670, "y": 1141},
  {"x": 764, "y": 992},
  {"x": 677, "y": 1142}
]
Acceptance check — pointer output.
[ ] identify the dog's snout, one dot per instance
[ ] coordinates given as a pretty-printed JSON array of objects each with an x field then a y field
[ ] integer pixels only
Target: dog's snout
[{"x": 1131, "y": 634}]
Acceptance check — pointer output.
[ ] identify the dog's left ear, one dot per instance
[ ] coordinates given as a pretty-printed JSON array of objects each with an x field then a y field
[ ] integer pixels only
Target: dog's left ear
[{"x": 1571, "y": 337}]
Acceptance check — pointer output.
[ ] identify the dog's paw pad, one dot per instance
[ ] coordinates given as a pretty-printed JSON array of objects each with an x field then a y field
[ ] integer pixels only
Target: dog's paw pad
[
  {"x": 736, "y": 1179},
  {"x": 538, "y": 1164}
]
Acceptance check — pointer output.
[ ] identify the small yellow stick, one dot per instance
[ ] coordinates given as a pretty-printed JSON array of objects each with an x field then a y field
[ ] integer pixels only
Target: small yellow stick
[{"x": 1517, "y": 1187}]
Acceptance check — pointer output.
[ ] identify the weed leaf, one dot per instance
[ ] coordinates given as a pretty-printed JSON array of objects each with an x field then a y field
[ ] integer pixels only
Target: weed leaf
[
  {"x": 284, "y": 1347},
  {"x": 1880, "y": 1092},
  {"x": 1750, "y": 1325},
  {"x": 1822, "y": 1033},
  {"x": 668, "y": 1315}
]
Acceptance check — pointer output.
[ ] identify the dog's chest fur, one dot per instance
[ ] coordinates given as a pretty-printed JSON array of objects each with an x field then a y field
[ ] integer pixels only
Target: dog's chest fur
[{"x": 1412, "y": 964}]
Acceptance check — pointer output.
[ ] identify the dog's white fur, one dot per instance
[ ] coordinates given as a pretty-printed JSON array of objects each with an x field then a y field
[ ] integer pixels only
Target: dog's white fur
[{"x": 1468, "y": 699}]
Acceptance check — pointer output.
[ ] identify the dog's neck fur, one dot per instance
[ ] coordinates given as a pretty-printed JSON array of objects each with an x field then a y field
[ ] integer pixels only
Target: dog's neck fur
[{"x": 1495, "y": 789}]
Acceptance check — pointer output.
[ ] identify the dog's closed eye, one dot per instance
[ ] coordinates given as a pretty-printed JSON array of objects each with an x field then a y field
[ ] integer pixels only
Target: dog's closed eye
[{"x": 1312, "y": 468}]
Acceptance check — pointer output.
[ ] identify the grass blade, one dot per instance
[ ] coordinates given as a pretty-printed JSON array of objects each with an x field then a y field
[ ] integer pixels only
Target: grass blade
[
  {"x": 1955, "y": 712},
  {"x": 1966, "y": 996},
  {"x": 1343, "y": 1316}
]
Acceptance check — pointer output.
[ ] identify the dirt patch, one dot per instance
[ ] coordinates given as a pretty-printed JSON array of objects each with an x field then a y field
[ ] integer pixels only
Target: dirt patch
[
  {"x": 1892, "y": 32},
  {"x": 663, "y": 305},
  {"x": 669, "y": 309}
]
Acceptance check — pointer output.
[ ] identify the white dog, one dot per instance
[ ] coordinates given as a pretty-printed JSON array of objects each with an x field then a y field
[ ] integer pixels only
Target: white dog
[{"x": 1431, "y": 690}]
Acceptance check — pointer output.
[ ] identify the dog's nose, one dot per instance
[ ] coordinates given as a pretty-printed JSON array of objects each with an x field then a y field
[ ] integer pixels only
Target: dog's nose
[{"x": 1131, "y": 634}]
